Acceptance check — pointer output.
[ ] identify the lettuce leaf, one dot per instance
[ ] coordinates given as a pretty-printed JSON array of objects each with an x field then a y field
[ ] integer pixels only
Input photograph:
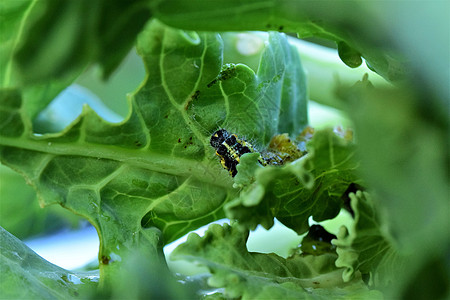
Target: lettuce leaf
[
  {"x": 25, "y": 275},
  {"x": 252, "y": 275},
  {"x": 306, "y": 18},
  {"x": 15, "y": 194},
  {"x": 156, "y": 168},
  {"x": 410, "y": 181},
  {"x": 151, "y": 178},
  {"x": 310, "y": 186},
  {"x": 368, "y": 248},
  {"x": 72, "y": 44},
  {"x": 17, "y": 16}
]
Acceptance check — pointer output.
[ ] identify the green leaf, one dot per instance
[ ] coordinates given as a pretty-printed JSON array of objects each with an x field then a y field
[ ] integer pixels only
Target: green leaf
[
  {"x": 431, "y": 280},
  {"x": 342, "y": 21},
  {"x": 142, "y": 278},
  {"x": 411, "y": 181},
  {"x": 252, "y": 275},
  {"x": 16, "y": 16},
  {"x": 368, "y": 249},
  {"x": 156, "y": 168},
  {"x": 413, "y": 178},
  {"x": 323, "y": 67},
  {"x": 349, "y": 56},
  {"x": 15, "y": 195},
  {"x": 74, "y": 34},
  {"x": 310, "y": 186},
  {"x": 25, "y": 275}
]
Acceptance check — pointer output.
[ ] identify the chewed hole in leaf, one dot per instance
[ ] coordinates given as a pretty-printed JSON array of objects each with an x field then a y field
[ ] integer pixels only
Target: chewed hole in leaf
[
  {"x": 285, "y": 237},
  {"x": 66, "y": 108}
]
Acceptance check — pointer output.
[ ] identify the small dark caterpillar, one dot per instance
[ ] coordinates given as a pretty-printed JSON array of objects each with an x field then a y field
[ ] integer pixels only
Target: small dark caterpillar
[
  {"x": 230, "y": 148},
  {"x": 281, "y": 149}
]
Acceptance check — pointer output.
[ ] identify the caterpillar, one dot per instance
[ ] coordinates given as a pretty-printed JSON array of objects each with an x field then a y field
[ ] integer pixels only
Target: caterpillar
[{"x": 230, "y": 148}]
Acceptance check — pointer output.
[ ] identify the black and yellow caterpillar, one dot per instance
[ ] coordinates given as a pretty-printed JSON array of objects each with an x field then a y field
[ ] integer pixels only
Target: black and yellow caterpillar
[
  {"x": 281, "y": 149},
  {"x": 230, "y": 148}
]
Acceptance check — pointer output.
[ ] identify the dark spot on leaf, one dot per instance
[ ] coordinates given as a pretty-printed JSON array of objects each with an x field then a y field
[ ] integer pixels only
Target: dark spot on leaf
[
  {"x": 211, "y": 83},
  {"x": 166, "y": 116},
  {"x": 105, "y": 260},
  {"x": 185, "y": 146},
  {"x": 228, "y": 71},
  {"x": 138, "y": 143},
  {"x": 195, "y": 95},
  {"x": 179, "y": 140},
  {"x": 193, "y": 98},
  {"x": 190, "y": 138},
  {"x": 281, "y": 28},
  {"x": 316, "y": 282}
]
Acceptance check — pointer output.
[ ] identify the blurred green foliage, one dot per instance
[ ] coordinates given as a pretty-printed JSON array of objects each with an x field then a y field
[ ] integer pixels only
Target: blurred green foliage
[{"x": 20, "y": 213}]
